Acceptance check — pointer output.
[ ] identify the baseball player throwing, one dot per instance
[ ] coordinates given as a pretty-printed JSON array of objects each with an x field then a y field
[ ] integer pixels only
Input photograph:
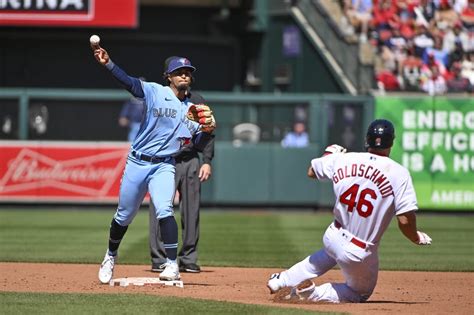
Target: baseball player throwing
[
  {"x": 370, "y": 189},
  {"x": 150, "y": 163}
]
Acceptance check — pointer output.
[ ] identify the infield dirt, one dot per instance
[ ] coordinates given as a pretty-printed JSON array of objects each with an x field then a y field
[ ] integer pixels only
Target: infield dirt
[{"x": 396, "y": 292}]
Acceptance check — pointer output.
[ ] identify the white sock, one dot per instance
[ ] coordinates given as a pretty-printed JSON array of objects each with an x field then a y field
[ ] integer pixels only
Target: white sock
[{"x": 311, "y": 267}]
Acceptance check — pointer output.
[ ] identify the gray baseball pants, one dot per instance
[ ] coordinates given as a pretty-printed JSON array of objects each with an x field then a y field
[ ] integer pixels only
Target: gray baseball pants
[{"x": 188, "y": 184}]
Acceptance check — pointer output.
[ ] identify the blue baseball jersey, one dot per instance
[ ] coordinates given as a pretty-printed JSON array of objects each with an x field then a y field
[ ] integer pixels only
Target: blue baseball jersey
[{"x": 164, "y": 126}]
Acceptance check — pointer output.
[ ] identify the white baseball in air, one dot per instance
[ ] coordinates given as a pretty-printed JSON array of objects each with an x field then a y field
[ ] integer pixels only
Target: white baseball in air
[{"x": 94, "y": 40}]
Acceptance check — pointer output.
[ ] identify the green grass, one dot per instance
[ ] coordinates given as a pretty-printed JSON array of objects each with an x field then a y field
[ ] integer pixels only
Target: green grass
[
  {"x": 452, "y": 248},
  {"x": 44, "y": 303},
  {"x": 245, "y": 239}
]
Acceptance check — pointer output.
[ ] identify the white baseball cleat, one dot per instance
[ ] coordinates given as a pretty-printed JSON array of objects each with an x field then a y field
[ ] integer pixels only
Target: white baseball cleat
[
  {"x": 171, "y": 272},
  {"x": 106, "y": 270},
  {"x": 274, "y": 283},
  {"x": 305, "y": 289},
  {"x": 158, "y": 267}
]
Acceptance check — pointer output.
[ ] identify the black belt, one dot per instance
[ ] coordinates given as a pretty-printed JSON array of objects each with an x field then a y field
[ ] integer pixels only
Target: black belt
[
  {"x": 148, "y": 158},
  {"x": 185, "y": 157}
]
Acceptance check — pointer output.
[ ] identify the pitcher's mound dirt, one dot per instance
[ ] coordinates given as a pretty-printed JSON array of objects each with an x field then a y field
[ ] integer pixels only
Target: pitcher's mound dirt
[{"x": 396, "y": 292}]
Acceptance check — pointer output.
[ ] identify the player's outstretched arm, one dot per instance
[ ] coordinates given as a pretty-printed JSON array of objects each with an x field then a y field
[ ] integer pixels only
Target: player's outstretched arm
[
  {"x": 131, "y": 84},
  {"x": 407, "y": 225}
]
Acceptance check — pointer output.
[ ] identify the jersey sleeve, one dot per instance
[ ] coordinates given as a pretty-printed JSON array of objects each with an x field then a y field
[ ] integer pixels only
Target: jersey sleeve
[
  {"x": 323, "y": 167},
  {"x": 193, "y": 127},
  {"x": 149, "y": 90},
  {"x": 405, "y": 196},
  {"x": 131, "y": 84}
]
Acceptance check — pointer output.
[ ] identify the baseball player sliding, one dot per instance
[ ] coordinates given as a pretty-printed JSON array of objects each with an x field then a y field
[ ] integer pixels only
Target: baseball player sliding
[
  {"x": 370, "y": 189},
  {"x": 150, "y": 163}
]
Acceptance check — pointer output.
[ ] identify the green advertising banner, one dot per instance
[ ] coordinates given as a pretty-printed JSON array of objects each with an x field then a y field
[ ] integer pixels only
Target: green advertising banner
[{"x": 435, "y": 141}]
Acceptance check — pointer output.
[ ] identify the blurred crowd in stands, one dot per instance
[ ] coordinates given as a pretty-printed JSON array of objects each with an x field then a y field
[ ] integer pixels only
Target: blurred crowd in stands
[{"x": 421, "y": 45}]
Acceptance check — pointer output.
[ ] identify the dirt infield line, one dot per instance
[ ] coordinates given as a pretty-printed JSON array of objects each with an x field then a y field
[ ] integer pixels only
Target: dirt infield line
[{"x": 396, "y": 292}]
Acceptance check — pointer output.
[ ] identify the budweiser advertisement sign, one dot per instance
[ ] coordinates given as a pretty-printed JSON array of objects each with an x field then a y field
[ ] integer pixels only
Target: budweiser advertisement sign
[
  {"x": 96, "y": 13},
  {"x": 61, "y": 171}
]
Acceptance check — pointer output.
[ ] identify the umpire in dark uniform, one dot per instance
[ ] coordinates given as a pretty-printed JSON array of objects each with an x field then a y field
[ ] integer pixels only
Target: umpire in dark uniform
[{"x": 188, "y": 178}]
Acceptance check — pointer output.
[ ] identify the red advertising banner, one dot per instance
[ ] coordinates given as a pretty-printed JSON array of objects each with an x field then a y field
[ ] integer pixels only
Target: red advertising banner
[
  {"x": 94, "y": 13},
  {"x": 61, "y": 171}
]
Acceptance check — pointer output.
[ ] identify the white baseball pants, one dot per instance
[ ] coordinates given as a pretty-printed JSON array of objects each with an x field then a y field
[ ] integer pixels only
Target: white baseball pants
[{"x": 358, "y": 265}]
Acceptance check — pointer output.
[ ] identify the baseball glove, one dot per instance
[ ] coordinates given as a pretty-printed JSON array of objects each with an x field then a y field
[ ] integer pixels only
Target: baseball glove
[{"x": 202, "y": 114}]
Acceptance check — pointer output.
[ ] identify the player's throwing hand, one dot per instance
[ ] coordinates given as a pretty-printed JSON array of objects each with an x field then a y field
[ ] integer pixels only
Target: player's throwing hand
[{"x": 101, "y": 56}]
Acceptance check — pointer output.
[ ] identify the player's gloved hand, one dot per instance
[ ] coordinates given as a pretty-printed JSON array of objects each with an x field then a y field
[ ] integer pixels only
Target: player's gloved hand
[
  {"x": 334, "y": 148},
  {"x": 202, "y": 114},
  {"x": 210, "y": 125},
  {"x": 423, "y": 238}
]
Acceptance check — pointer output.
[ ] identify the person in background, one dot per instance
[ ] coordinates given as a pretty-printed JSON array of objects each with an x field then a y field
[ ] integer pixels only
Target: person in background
[
  {"x": 457, "y": 55},
  {"x": 434, "y": 84},
  {"x": 440, "y": 55},
  {"x": 445, "y": 17},
  {"x": 426, "y": 9},
  {"x": 411, "y": 71},
  {"x": 432, "y": 62},
  {"x": 467, "y": 16},
  {"x": 360, "y": 15},
  {"x": 456, "y": 35},
  {"x": 458, "y": 84},
  {"x": 467, "y": 66},
  {"x": 131, "y": 115},
  {"x": 422, "y": 40},
  {"x": 298, "y": 138}
]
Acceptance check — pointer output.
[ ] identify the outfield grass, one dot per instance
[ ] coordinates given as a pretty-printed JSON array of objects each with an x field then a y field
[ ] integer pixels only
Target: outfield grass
[{"x": 244, "y": 239}]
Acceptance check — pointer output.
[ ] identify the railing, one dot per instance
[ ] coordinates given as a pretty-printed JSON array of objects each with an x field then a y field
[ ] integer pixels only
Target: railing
[
  {"x": 248, "y": 174},
  {"x": 275, "y": 113},
  {"x": 346, "y": 55}
]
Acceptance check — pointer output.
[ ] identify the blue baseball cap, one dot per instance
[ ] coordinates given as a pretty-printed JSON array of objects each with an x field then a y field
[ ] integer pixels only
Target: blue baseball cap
[{"x": 178, "y": 63}]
